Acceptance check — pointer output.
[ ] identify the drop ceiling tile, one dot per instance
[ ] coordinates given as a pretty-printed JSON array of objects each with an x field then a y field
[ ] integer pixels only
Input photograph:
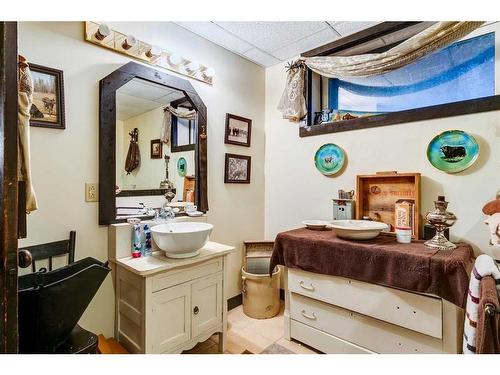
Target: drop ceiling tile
[
  {"x": 270, "y": 36},
  {"x": 217, "y": 35},
  {"x": 260, "y": 57},
  {"x": 306, "y": 44},
  {"x": 144, "y": 90},
  {"x": 130, "y": 106},
  {"x": 347, "y": 28},
  {"x": 174, "y": 95}
]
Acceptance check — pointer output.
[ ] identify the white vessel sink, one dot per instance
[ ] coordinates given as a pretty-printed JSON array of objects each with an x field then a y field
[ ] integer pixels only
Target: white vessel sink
[
  {"x": 357, "y": 229},
  {"x": 181, "y": 239}
]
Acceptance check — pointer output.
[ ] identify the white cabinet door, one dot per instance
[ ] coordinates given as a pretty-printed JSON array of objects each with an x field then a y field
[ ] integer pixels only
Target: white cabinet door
[
  {"x": 171, "y": 320},
  {"x": 206, "y": 303}
]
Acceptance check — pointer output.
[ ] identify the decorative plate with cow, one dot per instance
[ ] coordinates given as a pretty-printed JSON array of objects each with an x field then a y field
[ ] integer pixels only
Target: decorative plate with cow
[
  {"x": 453, "y": 151},
  {"x": 329, "y": 159}
]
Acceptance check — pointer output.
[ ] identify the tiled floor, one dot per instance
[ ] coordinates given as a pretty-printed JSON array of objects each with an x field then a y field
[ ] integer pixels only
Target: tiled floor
[{"x": 253, "y": 335}]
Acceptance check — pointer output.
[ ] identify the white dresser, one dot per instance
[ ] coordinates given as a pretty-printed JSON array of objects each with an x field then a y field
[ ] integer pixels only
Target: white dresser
[
  {"x": 339, "y": 315},
  {"x": 166, "y": 305}
]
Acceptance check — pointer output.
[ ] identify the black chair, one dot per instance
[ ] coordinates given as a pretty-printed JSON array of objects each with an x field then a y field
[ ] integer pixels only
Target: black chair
[
  {"x": 51, "y": 302},
  {"x": 50, "y": 250}
]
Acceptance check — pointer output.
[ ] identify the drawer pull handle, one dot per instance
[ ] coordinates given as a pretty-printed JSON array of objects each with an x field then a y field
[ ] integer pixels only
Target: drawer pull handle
[
  {"x": 196, "y": 310},
  {"x": 312, "y": 316},
  {"x": 311, "y": 287}
]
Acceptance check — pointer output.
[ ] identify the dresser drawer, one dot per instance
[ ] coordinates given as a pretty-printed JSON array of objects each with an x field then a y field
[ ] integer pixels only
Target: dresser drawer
[
  {"x": 361, "y": 330},
  {"x": 323, "y": 341},
  {"x": 168, "y": 279},
  {"x": 410, "y": 310}
]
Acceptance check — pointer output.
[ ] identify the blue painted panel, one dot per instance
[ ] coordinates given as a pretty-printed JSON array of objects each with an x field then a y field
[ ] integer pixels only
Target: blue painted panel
[{"x": 465, "y": 70}]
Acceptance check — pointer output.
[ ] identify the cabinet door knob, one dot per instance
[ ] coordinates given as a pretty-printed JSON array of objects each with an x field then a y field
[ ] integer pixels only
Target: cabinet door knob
[
  {"x": 24, "y": 257},
  {"x": 196, "y": 310}
]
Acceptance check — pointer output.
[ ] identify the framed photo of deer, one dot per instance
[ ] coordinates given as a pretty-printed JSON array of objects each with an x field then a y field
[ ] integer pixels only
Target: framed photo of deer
[
  {"x": 47, "y": 109},
  {"x": 238, "y": 130}
]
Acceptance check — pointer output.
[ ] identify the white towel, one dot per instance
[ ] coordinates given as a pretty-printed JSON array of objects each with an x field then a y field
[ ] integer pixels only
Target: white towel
[{"x": 483, "y": 266}]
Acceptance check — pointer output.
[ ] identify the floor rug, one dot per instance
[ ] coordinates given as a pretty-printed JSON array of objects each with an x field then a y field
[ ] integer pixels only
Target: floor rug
[{"x": 276, "y": 349}]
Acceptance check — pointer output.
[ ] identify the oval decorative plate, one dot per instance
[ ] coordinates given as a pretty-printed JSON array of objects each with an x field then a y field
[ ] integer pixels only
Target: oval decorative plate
[
  {"x": 329, "y": 159},
  {"x": 182, "y": 166},
  {"x": 453, "y": 151}
]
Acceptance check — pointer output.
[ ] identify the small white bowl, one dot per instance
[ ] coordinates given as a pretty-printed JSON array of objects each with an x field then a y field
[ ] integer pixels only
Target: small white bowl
[
  {"x": 357, "y": 229},
  {"x": 316, "y": 224}
]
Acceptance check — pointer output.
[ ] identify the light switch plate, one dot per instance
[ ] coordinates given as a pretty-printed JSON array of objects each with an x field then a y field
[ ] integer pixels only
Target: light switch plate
[{"x": 91, "y": 192}]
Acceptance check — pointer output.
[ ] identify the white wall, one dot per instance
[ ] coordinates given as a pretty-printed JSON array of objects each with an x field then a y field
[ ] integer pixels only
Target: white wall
[
  {"x": 296, "y": 191},
  {"x": 63, "y": 160}
]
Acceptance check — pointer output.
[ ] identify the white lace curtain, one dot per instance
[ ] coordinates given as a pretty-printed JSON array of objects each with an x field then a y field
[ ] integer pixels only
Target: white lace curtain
[
  {"x": 167, "y": 120},
  {"x": 292, "y": 104}
]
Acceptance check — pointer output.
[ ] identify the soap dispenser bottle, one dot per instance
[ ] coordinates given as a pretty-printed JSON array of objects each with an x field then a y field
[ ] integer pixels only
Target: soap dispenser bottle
[
  {"x": 136, "y": 237},
  {"x": 147, "y": 250}
]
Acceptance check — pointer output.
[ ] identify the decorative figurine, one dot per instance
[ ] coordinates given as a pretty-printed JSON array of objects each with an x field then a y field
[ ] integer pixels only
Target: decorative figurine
[{"x": 441, "y": 220}]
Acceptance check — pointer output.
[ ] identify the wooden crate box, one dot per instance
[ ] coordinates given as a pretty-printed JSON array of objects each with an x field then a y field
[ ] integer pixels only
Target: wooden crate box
[{"x": 376, "y": 196}]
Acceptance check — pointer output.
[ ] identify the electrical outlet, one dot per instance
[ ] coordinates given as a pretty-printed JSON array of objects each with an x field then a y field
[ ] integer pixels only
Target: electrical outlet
[{"x": 90, "y": 192}]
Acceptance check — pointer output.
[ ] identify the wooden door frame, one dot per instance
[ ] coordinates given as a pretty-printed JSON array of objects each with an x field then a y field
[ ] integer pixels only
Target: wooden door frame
[{"x": 8, "y": 187}]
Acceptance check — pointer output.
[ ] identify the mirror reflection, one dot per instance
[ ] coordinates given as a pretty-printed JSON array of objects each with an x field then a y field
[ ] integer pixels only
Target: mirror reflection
[{"x": 155, "y": 149}]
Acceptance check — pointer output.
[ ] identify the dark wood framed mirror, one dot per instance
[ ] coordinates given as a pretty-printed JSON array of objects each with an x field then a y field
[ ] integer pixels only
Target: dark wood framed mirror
[{"x": 131, "y": 91}]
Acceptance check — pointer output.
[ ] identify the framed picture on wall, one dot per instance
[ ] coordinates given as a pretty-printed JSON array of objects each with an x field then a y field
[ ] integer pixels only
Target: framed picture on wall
[
  {"x": 237, "y": 169},
  {"x": 238, "y": 130},
  {"x": 47, "y": 110},
  {"x": 156, "y": 149}
]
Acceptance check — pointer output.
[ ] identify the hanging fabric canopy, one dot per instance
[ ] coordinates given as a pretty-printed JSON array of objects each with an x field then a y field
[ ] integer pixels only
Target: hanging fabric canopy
[
  {"x": 292, "y": 104},
  {"x": 167, "y": 120}
]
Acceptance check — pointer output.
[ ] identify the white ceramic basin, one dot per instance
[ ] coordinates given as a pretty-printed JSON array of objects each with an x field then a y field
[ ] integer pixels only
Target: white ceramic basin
[
  {"x": 357, "y": 229},
  {"x": 181, "y": 239}
]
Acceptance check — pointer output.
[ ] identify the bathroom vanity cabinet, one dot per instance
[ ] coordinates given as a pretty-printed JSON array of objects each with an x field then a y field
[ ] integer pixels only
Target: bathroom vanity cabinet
[
  {"x": 166, "y": 305},
  {"x": 340, "y": 315}
]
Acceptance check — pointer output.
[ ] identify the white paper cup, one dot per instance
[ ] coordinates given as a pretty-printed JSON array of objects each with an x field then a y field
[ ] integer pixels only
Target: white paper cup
[{"x": 403, "y": 235}]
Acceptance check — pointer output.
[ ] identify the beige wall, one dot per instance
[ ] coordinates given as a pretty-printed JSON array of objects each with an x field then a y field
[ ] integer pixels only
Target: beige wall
[
  {"x": 296, "y": 191},
  {"x": 63, "y": 161}
]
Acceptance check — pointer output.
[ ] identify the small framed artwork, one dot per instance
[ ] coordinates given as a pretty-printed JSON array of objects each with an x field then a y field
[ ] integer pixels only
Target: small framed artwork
[
  {"x": 156, "y": 149},
  {"x": 47, "y": 110},
  {"x": 237, "y": 169},
  {"x": 238, "y": 130}
]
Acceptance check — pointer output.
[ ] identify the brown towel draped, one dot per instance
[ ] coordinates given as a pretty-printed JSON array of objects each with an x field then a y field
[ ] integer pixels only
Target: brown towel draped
[
  {"x": 488, "y": 326},
  {"x": 133, "y": 155},
  {"x": 379, "y": 261}
]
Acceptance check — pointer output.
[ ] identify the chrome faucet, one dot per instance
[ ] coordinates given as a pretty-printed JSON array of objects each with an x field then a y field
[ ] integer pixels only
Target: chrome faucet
[{"x": 165, "y": 212}]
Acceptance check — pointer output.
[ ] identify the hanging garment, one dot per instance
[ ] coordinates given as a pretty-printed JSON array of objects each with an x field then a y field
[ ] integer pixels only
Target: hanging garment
[
  {"x": 427, "y": 41},
  {"x": 133, "y": 155},
  {"x": 166, "y": 127},
  {"x": 25, "y": 100}
]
